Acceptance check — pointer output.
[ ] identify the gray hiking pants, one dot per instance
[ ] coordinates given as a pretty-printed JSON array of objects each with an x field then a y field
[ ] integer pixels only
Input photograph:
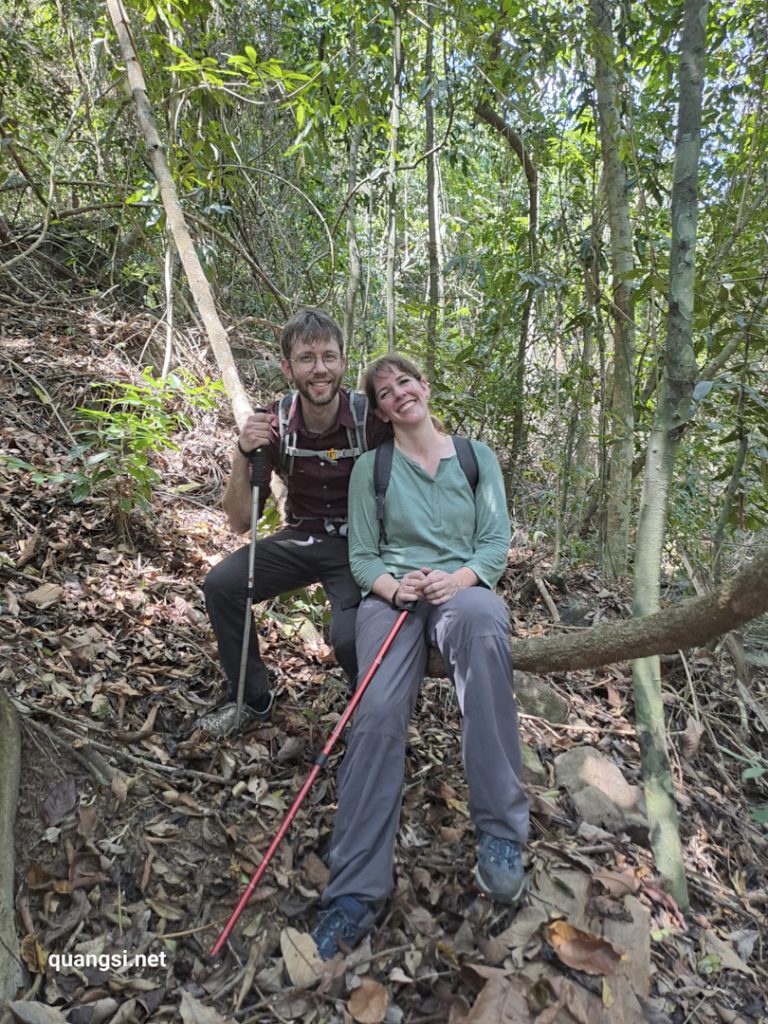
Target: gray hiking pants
[{"x": 471, "y": 631}]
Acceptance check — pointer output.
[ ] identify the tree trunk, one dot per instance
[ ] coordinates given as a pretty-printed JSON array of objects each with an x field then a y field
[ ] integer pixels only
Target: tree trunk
[
  {"x": 621, "y": 417},
  {"x": 198, "y": 283},
  {"x": 433, "y": 199},
  {"x": 394, "y": 132},
  {"x": 355, "y": 278},
  {"x": 10, "y": 758},
  {"x": 489, "y": 115},
  {"x": 672, "y": 414}
]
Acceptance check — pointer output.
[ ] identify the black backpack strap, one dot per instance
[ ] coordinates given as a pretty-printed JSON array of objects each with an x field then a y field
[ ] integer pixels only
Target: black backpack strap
[
  {"x": 283, "y": 415},
  {"x": 358, "y": 402},
  {"x": 382, "y": 470},
  {"x": 465, "y": 452}
]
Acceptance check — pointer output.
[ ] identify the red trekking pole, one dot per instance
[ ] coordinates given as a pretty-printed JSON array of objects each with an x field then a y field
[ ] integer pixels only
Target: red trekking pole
[{"x": 320, "y": 761}]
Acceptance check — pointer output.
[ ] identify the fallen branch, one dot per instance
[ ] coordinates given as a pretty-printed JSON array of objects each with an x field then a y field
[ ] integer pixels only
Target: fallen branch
[{"x": 690, "y": 623}]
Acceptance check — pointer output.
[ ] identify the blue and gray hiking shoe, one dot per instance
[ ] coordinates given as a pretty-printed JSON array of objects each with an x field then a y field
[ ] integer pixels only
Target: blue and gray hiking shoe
[
  {"x": 341, "y": 926},
  {"x": 499, "y": 872}
]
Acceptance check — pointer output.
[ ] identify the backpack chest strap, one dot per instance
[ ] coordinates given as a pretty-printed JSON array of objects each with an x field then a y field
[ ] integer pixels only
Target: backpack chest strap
[{"x": 326, "y": 455}]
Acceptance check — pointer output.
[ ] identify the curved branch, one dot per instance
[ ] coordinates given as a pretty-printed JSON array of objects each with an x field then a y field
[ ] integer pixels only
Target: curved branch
[{"x": 690, "y": 623}]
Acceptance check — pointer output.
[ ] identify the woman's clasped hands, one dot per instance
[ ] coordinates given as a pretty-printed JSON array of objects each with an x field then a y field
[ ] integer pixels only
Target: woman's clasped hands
[{"x": 433, "y": 585}]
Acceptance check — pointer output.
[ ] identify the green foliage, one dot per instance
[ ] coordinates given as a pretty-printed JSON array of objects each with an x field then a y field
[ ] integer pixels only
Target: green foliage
[{"x": 126, "y": 427}]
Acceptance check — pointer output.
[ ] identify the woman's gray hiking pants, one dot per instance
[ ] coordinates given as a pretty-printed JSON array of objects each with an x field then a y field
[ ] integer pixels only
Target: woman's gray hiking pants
[{"x": 471, "y": 631}]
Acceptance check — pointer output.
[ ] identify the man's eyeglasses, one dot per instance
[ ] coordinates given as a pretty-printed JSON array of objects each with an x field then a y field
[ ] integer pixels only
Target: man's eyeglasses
[{"x": 308, "y": 359}]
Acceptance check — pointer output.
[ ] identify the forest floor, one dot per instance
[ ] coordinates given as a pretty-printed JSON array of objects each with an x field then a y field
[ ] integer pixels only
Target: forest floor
[{"x": 136, "y": 835}]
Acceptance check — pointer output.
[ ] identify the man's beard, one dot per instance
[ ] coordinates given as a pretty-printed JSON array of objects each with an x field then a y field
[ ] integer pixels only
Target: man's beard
[{"x": 304, "y": 391}]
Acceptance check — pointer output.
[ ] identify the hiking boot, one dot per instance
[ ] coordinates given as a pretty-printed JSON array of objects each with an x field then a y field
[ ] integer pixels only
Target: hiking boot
[
  {"x": 342, "y": 926},
  {"x": 222, "y": 721},
  {"x": 499, "y": 872}
]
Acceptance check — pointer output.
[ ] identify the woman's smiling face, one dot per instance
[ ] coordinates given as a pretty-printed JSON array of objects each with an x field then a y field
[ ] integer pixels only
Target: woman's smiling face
[{"x": 400, "y": 397}]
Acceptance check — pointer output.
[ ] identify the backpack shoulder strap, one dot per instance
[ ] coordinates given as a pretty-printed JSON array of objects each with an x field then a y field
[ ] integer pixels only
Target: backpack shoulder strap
[
  {"x": 283, "y": 415},
  {"x": 465, "y": 452},
  {"x": 358, "y": 402},
  {"x": 382, "y": 470}
]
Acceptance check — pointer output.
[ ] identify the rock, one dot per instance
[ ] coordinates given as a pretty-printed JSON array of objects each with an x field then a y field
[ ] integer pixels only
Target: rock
[
  {"x": 534, "y": 772},
  {"x": 600, "y": 793},
  {"x": 538, "y": 699}
]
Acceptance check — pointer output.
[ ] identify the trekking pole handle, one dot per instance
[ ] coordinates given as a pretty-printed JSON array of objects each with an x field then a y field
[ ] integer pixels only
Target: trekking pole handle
[{"x": 256, "y": 462}]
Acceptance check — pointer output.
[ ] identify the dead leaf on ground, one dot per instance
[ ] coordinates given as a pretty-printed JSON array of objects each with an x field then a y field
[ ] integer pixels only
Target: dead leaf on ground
[
  {"x": 368, "y": 1003},
  {"x": 32, "y": 953},
  {"x": 581, "y": 950},
  {"x": 729, "y": 958},
  {"x": 618, "y": 883},
  {"x": 194, "y": 1012},
  {"x": 302, "y": 961},
  {"x": 36, "y": 1013},
  {"x": 59, "y": 802},
  {"x": 85, "y": 870},
  {"x": 45, "y": 595},
  {"x": 692, "y": 737},
  {"x": 40, "y": 880}
]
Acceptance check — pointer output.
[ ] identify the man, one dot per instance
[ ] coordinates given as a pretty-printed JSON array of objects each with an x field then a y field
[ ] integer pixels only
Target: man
[{"x": 313, "y": 546}]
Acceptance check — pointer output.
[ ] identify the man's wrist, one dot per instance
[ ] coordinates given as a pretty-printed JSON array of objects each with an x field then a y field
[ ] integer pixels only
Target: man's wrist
[
  {"x": 393, "y": 599},
  {"x": 243, "y": 452}
]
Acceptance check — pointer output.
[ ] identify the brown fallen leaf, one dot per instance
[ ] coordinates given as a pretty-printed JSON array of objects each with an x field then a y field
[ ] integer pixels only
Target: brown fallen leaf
[
  {"x": 28, "y": 549},
  {"x": 39, "y": 880},
  {"x": 618, "y": 883},
  {"x": 59, "y": 802},
  {"x": 368, "y": 1003},
  {"x": 692, "y": 737},
  {"x": 581, "y": 950},
  {"x": 194, "y": 1012},
  {"x": 315, "y": 870},
  {"x": 85, "y": 870},
  {"x": 32, "y": 953},
  {"x": 45, "y": 595},
  {"x": 36, "y": 1013},
  {"x": 302, "y": 961}
]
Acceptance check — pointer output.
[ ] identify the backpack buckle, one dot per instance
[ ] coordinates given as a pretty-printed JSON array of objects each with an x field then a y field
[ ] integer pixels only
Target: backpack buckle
[{"x": 331, "y": 455}]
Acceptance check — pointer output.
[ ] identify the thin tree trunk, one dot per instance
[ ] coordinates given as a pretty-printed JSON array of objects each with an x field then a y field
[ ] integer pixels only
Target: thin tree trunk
[
  {"x": 355, "y": 278},
  {"x": 433, "y": 198},
  {"x": 394, "y": 132},
  {"x": 672, "y": 414},
  {"x": 489, "y": 115},
  {"x": 198, "y": 283},
  {"x": 618, "y": 505},
  {"x": 10, "y": 766}
]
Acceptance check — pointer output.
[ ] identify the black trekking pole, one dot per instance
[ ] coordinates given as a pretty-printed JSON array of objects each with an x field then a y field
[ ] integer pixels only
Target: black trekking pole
[
  {"x": 320, "y": 761},
  {"x": 256, "y": 470}
]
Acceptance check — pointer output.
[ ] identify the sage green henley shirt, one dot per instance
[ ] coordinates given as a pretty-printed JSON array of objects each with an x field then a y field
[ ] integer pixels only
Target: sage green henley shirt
[{"x": 431, "y": 522}]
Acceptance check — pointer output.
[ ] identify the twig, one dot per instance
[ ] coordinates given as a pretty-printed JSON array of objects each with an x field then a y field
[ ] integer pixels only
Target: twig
[
  {"x": 542, "y": 587},
  {"x": 41, "y": 390}
]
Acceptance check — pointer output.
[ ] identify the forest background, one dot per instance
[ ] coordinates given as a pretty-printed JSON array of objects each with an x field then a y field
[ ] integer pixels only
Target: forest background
[{"x": 489, "y": 189}]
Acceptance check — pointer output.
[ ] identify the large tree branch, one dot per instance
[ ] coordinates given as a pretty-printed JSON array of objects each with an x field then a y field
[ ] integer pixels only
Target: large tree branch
[{"x": 690, "y": 623}]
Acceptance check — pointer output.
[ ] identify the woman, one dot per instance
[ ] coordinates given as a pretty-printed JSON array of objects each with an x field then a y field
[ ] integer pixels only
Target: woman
[{"x": 440, "y": 548}]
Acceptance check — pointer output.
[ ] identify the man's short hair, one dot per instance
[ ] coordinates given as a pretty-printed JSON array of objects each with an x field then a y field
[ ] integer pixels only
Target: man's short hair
[{"x": 309, "y": 325}]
